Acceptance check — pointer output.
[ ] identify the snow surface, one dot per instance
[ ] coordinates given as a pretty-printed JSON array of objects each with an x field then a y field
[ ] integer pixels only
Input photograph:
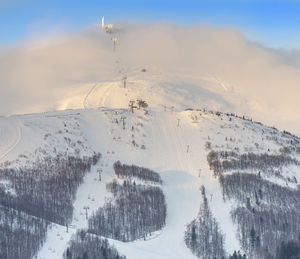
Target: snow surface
[
  {"x": 174, "y": 142},
  {"x": 10, "y": 135}
]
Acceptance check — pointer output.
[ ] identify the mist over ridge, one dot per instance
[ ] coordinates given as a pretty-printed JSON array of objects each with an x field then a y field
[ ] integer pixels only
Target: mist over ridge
[{"x": 40, "y": 75}]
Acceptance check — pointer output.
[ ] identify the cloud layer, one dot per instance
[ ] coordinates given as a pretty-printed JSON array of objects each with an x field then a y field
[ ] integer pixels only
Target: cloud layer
[{"x": 262, "y": 83}]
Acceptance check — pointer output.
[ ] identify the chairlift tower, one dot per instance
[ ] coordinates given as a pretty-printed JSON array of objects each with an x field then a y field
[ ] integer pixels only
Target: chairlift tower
[
  {"x": 124, "y": 80},
  {"x": 114, "y": 39}
]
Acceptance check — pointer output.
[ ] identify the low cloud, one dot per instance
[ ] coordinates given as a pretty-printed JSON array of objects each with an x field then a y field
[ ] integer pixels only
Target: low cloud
[{"x": 259, "y": 82}]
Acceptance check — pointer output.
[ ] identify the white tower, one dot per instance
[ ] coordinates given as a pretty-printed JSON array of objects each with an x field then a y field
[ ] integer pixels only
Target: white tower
[{"x": 103, "y": 23}]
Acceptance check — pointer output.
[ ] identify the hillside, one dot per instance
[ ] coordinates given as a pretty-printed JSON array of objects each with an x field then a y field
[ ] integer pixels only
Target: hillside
[{"x": 228, "y": 183}]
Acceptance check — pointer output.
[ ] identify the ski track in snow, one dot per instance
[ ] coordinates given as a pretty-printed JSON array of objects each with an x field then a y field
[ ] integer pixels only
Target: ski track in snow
[
  {"x": 88, "y": 94},
  {"x": 105, "y": 88},
  {"x": 14, "y": 129}
]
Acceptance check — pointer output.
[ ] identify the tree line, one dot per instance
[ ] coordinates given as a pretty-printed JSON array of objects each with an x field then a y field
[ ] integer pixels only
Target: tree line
[
  {"x": 86, "y": 246},
  {"x": 37, "y": 194},
  {"x": 135, "y": 211},
  {"x": 133, "y": 171},
  {"x": 203, "y": 235},
  {"x": 266, "y": 213},
  {"x": 21, "y": 235},
  {"x": 224, "y": 161}
]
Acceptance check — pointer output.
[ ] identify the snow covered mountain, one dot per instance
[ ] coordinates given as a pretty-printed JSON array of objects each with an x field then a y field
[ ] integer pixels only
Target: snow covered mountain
[{"x": 209, "y": 183}]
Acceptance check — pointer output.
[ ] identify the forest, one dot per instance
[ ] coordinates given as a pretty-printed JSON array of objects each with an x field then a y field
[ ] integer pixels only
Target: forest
[
  {"x": 35, "y": 196},
  {"x": 223, "y": 161},
  {"x": 203, "y": 235},
  {"x": 21, "y": 235},
  {"x": 132, "y": 171},
  {"x": 266, "y": 213},
  {"x": 135, "y": 211},
  {"x": 86, "y": 246}
]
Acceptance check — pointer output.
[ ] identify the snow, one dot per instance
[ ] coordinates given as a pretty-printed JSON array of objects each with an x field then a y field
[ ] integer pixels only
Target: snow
[
  {"x": 179, "y": 171},
  {"x": 174, "y": 142},
  {"x": 10, "y": 135},
  {"x": 6, "y": 185},
  {"x": 91, "y": 194}
]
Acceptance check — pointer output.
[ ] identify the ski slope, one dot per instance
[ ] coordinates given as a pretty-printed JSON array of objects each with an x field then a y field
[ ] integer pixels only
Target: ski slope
[
  {"x": 174, "y": 147},
  {"x": 178, "y": 168},
  {"x": 10, "y": 135},
  {"x": 174, "y": 139}
]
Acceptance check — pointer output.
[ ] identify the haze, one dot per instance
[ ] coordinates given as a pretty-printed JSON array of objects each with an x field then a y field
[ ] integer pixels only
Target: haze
[{"x": 263, "y": 83}]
